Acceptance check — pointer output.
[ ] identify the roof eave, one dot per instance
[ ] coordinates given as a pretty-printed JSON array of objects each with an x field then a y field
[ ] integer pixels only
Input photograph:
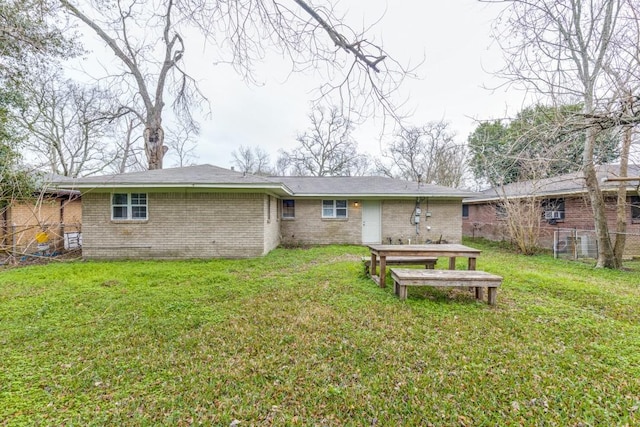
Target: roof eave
[
  {"x": 114, "y": 185},
  {"x": 380, "y": 195},
  {"x": 558, "y": 193}
]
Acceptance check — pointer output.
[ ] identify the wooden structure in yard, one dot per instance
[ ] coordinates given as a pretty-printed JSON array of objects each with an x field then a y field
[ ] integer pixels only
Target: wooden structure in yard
[
  {"x": 403, "y": 278},
  {"x": 28, "y": 226},
  {"x": 428, "y": 262}
]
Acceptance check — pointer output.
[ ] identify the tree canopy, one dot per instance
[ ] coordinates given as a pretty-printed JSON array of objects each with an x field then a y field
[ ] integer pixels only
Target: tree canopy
[
  {"x": 426, "y": 153},
  {"x": 539, "y": 142}
]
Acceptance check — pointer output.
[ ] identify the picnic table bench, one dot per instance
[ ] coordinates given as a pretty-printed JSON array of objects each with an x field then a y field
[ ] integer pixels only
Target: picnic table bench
[
  {"x": 404, "y": 277},
  {"x": 428, "y": 262}
]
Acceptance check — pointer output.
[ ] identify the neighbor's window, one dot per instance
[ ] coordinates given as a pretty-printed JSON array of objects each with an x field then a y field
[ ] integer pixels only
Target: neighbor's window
[
  {"x": 129, "y": 206},
  {"x": 465, "y": 211},
  {"x": 553, "y": 209},
  {"x": 635, "y": 209},
  {"x": 501, "y": 211},
  {"x": 334, "y": 209},
  {"x": 288, "y": 208}
]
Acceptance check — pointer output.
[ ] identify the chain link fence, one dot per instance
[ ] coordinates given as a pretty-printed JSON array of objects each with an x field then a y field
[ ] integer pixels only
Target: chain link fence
[{"x": 574, "y": 244}]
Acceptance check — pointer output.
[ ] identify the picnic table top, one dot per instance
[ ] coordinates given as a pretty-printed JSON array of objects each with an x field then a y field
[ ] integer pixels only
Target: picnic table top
[{"x": 448, "y": 249}]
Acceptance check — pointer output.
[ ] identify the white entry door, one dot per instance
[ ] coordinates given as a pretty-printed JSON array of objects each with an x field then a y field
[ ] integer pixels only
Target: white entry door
[{"x": 371, "y": 222}]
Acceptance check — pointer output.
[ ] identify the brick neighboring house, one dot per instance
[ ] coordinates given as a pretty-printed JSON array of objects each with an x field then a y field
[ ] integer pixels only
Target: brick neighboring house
[
  {"x": 565, "y": 205},
  {"x": 206, "y": 211},
  {"x": 56, "y": 212}
]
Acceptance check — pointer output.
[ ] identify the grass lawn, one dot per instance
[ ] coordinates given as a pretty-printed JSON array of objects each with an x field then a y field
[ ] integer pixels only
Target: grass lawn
[{"x": 301, "y": 337}]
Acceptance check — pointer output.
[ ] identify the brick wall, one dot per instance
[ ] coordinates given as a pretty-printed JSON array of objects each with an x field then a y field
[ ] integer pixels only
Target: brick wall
[
  {"x": 309, "y": 227},
  {"x": 272, "y": 223},
  {"x": 444, "y": 222},
  {"x": 179, "y": 225},
  {"x": 483, "y": 222}
]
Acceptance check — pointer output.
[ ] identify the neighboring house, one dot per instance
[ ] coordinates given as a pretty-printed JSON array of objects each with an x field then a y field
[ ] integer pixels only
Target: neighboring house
[
  {"x": 206, "y": 211},
  {"x": 564, "y": 202},
  {"x": 46, "y": 219}
]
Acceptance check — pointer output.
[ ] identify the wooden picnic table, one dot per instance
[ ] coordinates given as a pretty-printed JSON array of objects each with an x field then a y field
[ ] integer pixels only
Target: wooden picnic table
[{"x": 452, "y": 251}]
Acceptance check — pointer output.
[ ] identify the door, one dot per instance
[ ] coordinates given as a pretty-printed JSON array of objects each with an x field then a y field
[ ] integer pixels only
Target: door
[{"x": 371, "y": 222}]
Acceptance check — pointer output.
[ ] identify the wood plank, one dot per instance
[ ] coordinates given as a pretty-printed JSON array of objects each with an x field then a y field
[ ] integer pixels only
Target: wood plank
[
  {"x": 459, "y": 276},
  {"x": 403, "y": 278}
]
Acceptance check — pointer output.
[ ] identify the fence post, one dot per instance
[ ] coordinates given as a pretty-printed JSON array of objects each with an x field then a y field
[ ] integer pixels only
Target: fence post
[{"x": 13, "y": 239}]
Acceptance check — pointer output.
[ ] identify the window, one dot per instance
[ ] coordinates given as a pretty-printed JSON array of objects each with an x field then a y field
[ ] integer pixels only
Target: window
[
  {"x": 465, "y": 211},
  {"x": 288, "y": 208},
  {"x": 268, "y": 208},
  {"x": 635, "y": 209},
  {"x": 334, "y": 209},
  {"x": 501, "y": 211},
  {"x": 129, "y": 206},
  {"x": 553, "y": 210}
]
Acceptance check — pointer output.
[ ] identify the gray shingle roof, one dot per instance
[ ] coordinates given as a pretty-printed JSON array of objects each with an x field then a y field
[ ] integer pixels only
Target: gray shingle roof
[
  {"x": 571, "y": 183},
  {"x": 200, "y": 174},
  {"x": 208, "y": 176},
  {"x": 365, "y": 186}
]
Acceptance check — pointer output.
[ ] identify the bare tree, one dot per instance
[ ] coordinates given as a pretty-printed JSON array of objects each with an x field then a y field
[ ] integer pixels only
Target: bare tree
[
  {"x": 242, "y": 30},
  {"x": 622, "y": 72},
  {"x": 523, "y": 220},
  {"x": 326, "y": 149},
  {"x": 559, "y": 49},
  {"x": 67, "y": 124},
  {"x": 151, "y": 65},
  {"x": 127, "y": 149},
  {"x": 427, "y": 154},
  {"x": 182, "y": 145},
  {"x": 253, "y": 160}
]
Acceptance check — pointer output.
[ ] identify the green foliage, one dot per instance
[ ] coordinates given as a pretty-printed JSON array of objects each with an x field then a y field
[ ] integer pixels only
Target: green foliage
[
  {"x": 539, "y": 142},
  {"x": 29, "y": 34},
  {"x": 15, "y": 183},
  {"x": 300, "y": 337}
]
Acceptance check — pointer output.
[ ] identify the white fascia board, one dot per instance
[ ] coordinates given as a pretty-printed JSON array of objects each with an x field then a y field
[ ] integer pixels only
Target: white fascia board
[
  {"x": 159, "y": 186},
  {"x": 376, "y": 196}
]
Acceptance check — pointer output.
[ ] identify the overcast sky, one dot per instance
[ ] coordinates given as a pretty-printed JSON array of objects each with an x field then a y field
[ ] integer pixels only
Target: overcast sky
[{"x": 452, "y": 36}]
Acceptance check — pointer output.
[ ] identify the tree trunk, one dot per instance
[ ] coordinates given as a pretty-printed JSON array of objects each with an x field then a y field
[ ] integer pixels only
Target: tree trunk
[
  {"x": 154, "y": 145},
  {"x": 621, "y": 207},
  {"x": 606, "y": 258}
]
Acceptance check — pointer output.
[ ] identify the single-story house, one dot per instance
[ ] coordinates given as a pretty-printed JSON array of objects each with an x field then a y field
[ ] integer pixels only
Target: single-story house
[
  {"x": 49, "y": 218},
  {"x": 206, "y": 211},
  {"x": 564, "y": 205}
]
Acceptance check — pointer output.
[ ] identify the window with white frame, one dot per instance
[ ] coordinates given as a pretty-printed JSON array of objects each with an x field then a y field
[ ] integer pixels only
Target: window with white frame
[
  {"x": 334, "y": 209},
  {"x": 132, "y": 206}
]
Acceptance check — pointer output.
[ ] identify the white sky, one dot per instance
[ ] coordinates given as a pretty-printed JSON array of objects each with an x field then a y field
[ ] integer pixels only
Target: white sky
[{"x": 452, "y": 36}]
